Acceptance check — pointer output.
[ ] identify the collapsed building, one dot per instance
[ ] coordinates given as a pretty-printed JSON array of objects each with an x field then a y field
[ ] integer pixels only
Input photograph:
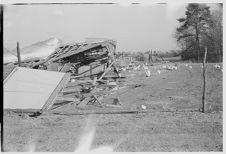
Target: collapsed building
[
  {"x": 67, "y": 60},
  {"x": 71, "y": 57}
]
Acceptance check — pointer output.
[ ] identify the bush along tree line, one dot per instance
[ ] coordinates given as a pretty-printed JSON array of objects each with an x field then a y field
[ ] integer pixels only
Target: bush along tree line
[{"x": 200, "y": 29}]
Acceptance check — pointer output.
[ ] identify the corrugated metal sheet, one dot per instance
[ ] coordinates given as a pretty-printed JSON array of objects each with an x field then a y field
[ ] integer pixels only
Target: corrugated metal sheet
[{"x": 30, "y": 88}]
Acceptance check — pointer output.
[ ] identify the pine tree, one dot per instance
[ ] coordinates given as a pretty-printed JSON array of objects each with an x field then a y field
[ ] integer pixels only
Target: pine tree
[{"x": 193, "y": 28}]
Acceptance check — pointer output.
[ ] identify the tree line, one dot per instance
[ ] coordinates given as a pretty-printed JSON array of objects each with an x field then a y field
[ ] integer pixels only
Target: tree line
[{"x": 200, "y": 29}]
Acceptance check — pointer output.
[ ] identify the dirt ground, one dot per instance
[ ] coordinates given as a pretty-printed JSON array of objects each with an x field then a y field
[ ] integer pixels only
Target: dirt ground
[{"x": 172, "y": 121}]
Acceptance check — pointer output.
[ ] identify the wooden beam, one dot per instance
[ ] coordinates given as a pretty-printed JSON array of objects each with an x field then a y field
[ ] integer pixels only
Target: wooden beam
[
  {"x": 60, "y": 52},
  {"x": 68, "y": 99},
  {"x": 108, "y": 69},
  {"x": 84, "y": 101},
  {"x": 97, "y": 100},
  {"x": 49, "y": 57},
  {"x": 58, "y": 105},
  {"x": 18, "y": 54},
  {"x": 90, "y": 69}
]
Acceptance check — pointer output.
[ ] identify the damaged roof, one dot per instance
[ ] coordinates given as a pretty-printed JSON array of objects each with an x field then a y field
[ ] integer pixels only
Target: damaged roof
[{"x": 79, "y": 52}]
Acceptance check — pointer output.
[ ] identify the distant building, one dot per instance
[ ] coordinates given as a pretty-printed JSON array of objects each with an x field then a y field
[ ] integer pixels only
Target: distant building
[{"x": 127, "y": 57}]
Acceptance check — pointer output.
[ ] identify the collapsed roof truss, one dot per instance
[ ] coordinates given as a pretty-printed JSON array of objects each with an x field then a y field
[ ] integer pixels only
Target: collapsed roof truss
[{"x": 83, "y": 53}]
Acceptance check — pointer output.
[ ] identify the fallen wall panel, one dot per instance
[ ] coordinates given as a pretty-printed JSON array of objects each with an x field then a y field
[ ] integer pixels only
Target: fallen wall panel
[{"x": 30, "y": 88}]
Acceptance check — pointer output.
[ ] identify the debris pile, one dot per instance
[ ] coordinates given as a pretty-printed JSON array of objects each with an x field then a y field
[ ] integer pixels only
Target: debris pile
[
  {"x": 82, "y": 87},
  {"x": 83, "y": 93}
]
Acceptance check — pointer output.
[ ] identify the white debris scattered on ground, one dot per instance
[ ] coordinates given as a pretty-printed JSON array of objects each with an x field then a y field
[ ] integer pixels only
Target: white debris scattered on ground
[
  {"x": 186, "y": 65},
  {"x": 190, "y": 67}
]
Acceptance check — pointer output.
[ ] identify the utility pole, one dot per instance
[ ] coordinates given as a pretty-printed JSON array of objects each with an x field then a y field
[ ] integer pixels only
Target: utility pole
[{"x": 18, "y": 54}]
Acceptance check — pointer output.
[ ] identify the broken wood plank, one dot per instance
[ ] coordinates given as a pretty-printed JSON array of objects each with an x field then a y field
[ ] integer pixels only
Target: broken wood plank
[
  {"x": 97, "y": 100},
  {"x": 108, "y": 69},
  {"x": 61, "y": 52},
  {"x": 83, "y": 102},
  {"x": 68, "y": 99}
]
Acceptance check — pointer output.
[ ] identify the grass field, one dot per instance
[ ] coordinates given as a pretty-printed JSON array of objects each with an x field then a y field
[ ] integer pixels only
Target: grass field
[{"x": 172, "y": 121}]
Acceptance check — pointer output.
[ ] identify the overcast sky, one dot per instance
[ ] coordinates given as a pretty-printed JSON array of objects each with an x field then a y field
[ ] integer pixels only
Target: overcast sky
[{"x": 134, "y": 27}]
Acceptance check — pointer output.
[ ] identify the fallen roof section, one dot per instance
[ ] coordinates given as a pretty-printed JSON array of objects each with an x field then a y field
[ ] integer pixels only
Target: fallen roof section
[
  {"x": 28, "y": 88},
  {"x": 83, "y": 53}
]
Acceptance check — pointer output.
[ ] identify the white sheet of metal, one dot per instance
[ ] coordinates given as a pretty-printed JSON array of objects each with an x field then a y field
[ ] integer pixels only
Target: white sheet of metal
[{"x": 29, "y": 88}]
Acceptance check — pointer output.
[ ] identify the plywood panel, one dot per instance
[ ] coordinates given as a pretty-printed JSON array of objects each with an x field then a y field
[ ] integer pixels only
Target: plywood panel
[{"x": 30, "y": 88}]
